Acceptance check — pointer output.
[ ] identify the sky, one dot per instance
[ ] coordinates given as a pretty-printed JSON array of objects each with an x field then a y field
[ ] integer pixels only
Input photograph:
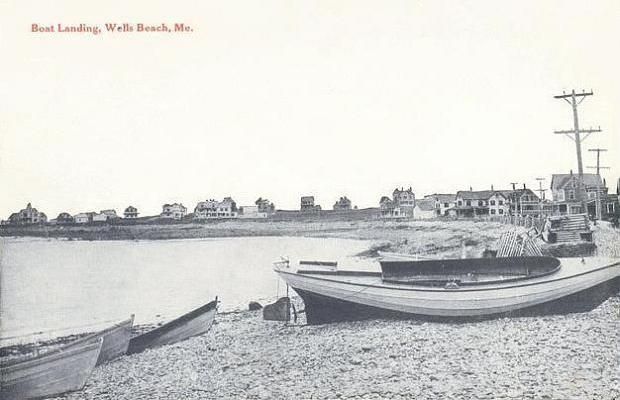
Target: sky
[{"x": 281, "y": 99}]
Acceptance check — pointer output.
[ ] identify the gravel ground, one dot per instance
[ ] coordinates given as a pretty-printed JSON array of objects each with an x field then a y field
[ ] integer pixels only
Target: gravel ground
[{"x": 559, "y": 357}]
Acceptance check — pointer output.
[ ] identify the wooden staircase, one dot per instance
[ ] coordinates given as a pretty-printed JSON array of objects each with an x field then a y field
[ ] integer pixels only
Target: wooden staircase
[{"x": 571, "y": 227}]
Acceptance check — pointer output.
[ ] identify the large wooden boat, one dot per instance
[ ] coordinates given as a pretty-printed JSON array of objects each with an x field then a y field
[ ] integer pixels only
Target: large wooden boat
[
  {"x": 456, "y": 289},
  {"x": 59, "y": 371},
  {"x": 115, "y": 340},
  {"x": 194, "y": 323}
]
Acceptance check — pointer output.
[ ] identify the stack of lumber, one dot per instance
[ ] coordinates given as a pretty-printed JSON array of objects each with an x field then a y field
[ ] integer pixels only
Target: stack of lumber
[{"x": 511, "y": 244}]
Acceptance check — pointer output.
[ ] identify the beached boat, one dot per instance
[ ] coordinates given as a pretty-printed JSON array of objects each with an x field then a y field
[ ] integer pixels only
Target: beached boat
[
  {"x": 59, "y": 371},
  {"x": 456, "y": 289},
  {"x": 115, "y": 340},
  {"x": 194, "y": 323}
]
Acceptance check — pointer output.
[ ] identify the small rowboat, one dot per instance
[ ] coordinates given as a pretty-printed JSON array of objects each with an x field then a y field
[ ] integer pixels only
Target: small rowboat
[
  {"x": 59, "y": 371},
  {"x": 456, "y": 289},
  {"x": 115, "y": 340},
  {"x": 194, "y": 323}
]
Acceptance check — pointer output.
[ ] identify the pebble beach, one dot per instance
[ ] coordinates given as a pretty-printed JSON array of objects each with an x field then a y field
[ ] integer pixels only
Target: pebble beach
[
  {"x": 563, "y": 357},
  {"x": 574, "y": 356}
]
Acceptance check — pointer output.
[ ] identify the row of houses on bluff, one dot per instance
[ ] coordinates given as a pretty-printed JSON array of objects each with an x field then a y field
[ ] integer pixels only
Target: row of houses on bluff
[
  {"x": 568, "y": 197},
  {"x": 31, "y": 215},
  {"x": 214, "y": 209}
]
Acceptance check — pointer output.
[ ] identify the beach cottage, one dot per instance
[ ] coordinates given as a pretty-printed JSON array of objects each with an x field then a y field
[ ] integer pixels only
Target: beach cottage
[
  {"x": 424, "y": 209},
  {"x": 175, "y": 211}
]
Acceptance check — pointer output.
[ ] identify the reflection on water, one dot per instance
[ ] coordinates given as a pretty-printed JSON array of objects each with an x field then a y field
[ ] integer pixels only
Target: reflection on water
[{"x": 60, "y": 287}]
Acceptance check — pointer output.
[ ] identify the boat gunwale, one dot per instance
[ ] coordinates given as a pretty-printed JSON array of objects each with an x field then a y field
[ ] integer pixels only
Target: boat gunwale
[
  {"x": 65, "y": 351},
  {"x": 167, "y": 327},
  {"x": 408, "y": 287},
  {"x": 104, "y": 332}
]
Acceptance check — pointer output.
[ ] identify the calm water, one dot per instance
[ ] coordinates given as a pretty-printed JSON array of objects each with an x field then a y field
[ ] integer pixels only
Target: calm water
[{"x": 59, "y": 287}]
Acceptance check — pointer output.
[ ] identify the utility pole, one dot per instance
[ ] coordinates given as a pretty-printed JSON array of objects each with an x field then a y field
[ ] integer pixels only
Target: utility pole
[
  {"x": 541, "y": 193},
  {"x": 513, "y": 197},
  {"x": 598, "y": 161},
  {"x": 540, "y": 190},
  {"x": 598, "y": 168},
  {"x": 575, "y": 135}
]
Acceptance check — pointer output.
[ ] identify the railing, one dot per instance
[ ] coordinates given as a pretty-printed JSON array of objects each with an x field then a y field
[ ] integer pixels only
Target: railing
[{"x": 526, "y": 221}]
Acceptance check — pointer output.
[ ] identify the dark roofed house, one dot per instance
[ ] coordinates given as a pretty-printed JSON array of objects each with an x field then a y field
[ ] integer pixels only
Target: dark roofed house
[
  {"x": 64, "y": 218},
  {"x": 343, "y": 203},
  {"x": 131, "y": 212},
  {"x": 265, "y": 206},
  {"x": 307, "y": 204},
  {"x": 28, "y": 216}
]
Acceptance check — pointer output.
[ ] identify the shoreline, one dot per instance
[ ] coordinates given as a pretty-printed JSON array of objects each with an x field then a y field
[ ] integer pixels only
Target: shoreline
[
  {"x": 435, "y": 238},
  {"x": 243, "y": 356}
]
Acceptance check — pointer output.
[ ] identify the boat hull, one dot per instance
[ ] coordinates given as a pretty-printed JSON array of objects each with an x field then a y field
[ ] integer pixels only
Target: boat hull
[
  {"x": 331, "y": 299},
  {"x": 191, "y": 324},
  {"x": 60, "y": 371},
  {"x": 115, "y": 340}
]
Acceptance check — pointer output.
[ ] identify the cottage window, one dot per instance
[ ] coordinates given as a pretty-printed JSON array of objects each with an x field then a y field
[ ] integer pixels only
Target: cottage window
[
  {"x": 468, "y": 202},
  {"x": 460, "y": 203},
  {"x": 446, "y": 205},
  {"x": 501, "y": 202},
  {"x": 571, "y": 195},
  {"x": 480, "y": 203},
  {"x": 492, "y": 202},
  {"x": 492, "y": 211},
  {"x": 501, "y": 210}
]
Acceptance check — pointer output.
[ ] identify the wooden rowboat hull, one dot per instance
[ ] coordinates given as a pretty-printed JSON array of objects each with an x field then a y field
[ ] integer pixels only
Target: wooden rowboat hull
[
  {"x": 60, "y": 371},
  {"x": 194, "y": 323},
  {"x": 115, "y": 340},
  {"x": 576, "y": 287}
]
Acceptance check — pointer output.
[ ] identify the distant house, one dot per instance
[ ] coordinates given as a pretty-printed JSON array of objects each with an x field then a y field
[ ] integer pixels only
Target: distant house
[
  {"x": 173, "y": 211},
  {"x": 343, "y": 203},
  {"x": 568, "y": 193},
  {"x": 104, "y": 216},
  {"x": 131, "y": 212},
  {"x": 401, "y": 205},
  {"x": 27, "y": 216},
  {"x": 389, "y": 209},
  {"x": 471, "y": 203},
  {"x": 251, "y": 212},
  {"x": 523, "y": 201},
  {"x": 212, "y": 209},
  {"x": 83, "y": 218},
  {"x": 111, "y": 214},
  {"x": 443, "y": 202},
  {"x": 100, "y": 218},
  {"x": 498, "y": 204},
  {"x": 307, "y": 204},
  {"x": 424, "y": 209},
  {"x": 64, "y": 218},
  {"x": 405, "y": 200},
  {"x": 265, "y": 206},
  {"x": 492, "y": 202}
]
